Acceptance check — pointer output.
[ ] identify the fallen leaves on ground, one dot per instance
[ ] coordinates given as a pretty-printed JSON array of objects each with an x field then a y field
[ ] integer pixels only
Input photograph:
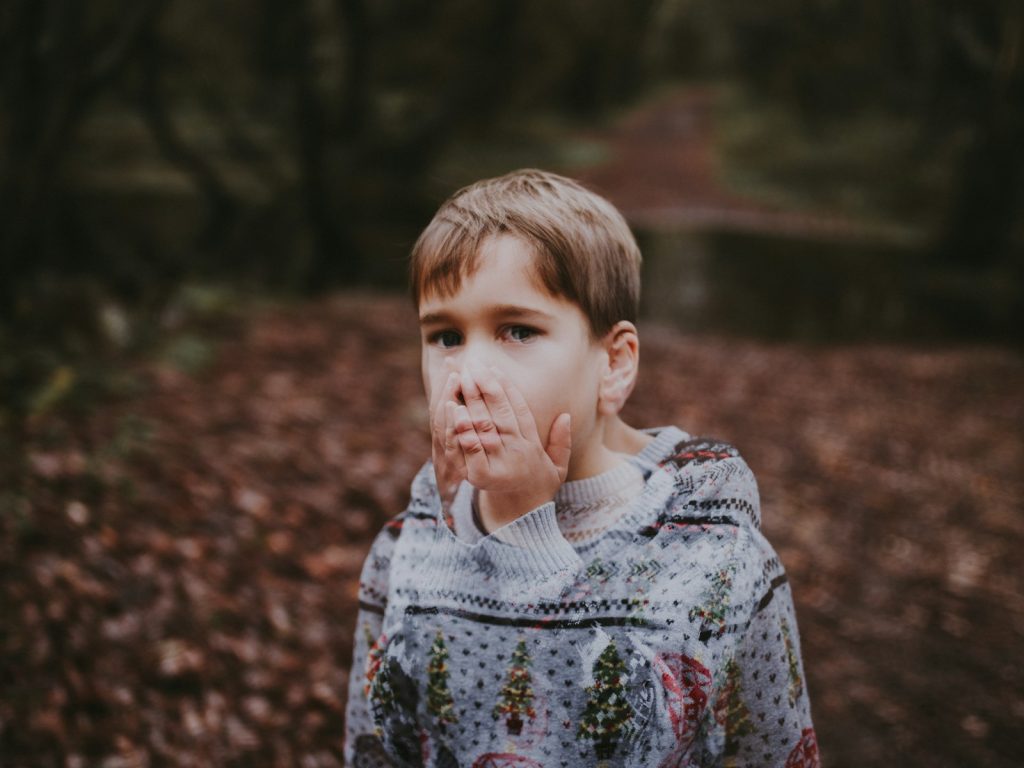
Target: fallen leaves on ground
[{"x": 188, "y": 596}]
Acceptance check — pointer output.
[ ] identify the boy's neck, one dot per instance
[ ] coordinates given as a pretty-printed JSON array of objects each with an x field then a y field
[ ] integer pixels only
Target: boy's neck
[
  {"x": 616, "y": 440},
  {"x": 622, "y": 438}
]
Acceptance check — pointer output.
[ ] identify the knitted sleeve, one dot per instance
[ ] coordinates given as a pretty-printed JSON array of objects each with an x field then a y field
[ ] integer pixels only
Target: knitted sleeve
[
  {"x": 762, "y": 700},
  {"x": 362, "y": 746},
  {"x": 759, "y": 712}
]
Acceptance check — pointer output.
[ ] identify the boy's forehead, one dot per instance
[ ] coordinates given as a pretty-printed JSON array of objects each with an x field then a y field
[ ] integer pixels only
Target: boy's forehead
[{"x": 506, "y": 255}]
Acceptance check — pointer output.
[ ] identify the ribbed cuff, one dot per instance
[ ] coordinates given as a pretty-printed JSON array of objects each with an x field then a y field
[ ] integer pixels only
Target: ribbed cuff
[
  {"x": 533, "y": 544},
  {"x": 462, "y": 511},
  {"x": 526, "y": 551}
]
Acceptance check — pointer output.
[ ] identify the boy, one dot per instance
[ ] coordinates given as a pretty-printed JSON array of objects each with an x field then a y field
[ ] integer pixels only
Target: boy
[{"x": 563, "y": 589}]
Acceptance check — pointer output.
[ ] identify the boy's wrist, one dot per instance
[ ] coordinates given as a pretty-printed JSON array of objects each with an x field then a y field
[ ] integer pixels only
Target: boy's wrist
[{"x": 497, "y": 508}]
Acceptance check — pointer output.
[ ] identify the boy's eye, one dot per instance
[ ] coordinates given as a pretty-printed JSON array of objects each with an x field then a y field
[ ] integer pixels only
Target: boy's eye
[
  {"x": 446, "y": 339},
  {"x": 520, "y": 332}
]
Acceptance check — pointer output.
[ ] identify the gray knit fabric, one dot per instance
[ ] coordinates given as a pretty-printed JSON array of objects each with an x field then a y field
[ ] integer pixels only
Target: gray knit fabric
[
  {"x": 664, "y": 637},
  {"x": 583, "y": 508}
]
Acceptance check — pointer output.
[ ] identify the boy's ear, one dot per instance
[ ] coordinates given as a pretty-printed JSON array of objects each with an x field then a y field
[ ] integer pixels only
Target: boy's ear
[{"x": 622, "y": 345}]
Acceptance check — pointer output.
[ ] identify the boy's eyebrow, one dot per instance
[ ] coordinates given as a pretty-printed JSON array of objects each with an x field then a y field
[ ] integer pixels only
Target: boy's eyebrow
[
  {"x": 431, "y": 318},
  {"x": 501, "y": 310}
]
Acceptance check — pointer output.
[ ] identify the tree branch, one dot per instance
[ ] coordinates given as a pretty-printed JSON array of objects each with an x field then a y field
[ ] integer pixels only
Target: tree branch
[{"x": 220, "y": 206}]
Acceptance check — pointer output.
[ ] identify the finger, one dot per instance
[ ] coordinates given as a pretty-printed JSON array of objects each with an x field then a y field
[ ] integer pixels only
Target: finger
[
  {"x": 479, "y": 413},
  {"x": 447, "y": 393},
  {"x": 559, "y": 447},
  {"x": 525, "y": 422},
  {"x": 440, "y": 422},
  {"x": 497, "y": 401},
  {"x": 472, "y": 449},
  {"x": 454, "y": 453},
  {"x": 451, "y": 440},
  {"x": 449, "y": 464}
]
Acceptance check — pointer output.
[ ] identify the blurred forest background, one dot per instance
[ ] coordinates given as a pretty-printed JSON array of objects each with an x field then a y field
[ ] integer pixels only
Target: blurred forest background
[{"x": 209, "y": 398}]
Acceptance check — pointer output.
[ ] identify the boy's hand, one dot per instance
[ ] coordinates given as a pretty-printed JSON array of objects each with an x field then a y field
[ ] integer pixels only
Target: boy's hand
[
  {"x": 449, "y": 464},
  {"x": 501, "y": 451}
]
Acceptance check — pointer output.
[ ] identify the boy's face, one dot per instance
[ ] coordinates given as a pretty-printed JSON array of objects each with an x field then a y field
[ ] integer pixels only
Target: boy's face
[{"x": 502, "y": 316}]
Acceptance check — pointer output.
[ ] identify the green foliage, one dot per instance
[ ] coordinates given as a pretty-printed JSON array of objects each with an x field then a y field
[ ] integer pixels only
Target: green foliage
[
  {"x": 257, "y": 142},
  {"x": 843, "y": 167},
  {"x": 300, "y": 146},
  {"x": 189, "y": 353},
  {"x": 53, "y": 391},
  {"x": 909, "y": 113},
  {"x": 133, "y": 435}
]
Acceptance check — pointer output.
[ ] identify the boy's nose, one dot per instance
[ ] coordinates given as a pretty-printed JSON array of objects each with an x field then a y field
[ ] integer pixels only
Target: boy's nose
[
  {"x": 471, "y": 362},
  {"x": 450, "y": 367},
  {"x": 471, "y": 359}
]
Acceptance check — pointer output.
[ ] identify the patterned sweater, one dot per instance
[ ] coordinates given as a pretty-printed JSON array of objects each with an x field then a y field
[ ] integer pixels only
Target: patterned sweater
[{"x": 664, "y": 637}]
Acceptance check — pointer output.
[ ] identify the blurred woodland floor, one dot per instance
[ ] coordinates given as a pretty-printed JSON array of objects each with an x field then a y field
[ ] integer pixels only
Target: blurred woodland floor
[{"x": 179, "y": 582}]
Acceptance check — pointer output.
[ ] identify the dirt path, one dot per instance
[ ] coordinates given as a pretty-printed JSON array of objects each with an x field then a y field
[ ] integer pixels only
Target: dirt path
[
  {"x": 179, "y": 585},
  {"x": 662, "y": 173}
]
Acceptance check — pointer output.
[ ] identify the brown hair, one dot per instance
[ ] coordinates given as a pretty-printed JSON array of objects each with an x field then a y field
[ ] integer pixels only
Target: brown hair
[{"x": 584, "y": 250}]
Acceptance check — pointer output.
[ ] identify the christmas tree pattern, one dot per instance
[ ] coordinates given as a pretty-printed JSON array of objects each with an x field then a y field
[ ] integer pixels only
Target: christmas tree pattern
[
  {"x": 517, "y": 693},
  {"x": 395, "y": 700},
  {"x": 439, "y": 699},
  {"x": 373, "y": 657},
  {"x": 796, "y": 683},
  {"x": 714, "y": 604},
  {"x": 382, "y": 694},
  {"x": 607, "y": 712},
  {"x": 730, "y": 711}
]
